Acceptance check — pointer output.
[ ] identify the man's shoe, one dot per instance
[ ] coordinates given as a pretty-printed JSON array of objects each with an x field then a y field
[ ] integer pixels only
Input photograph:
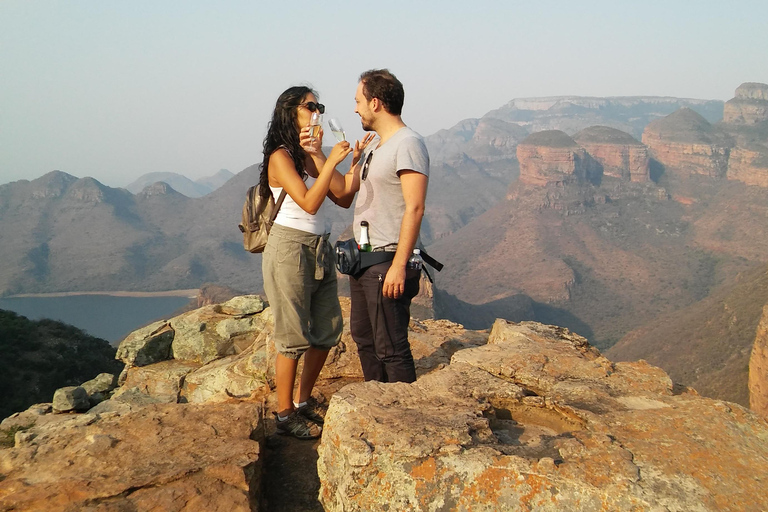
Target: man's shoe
[
  {"x": 313, "y": 411},
  {"x": 298, "y": 426}
]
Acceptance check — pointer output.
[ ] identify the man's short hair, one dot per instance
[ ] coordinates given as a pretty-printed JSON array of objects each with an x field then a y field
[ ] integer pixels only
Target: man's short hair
[{"x": 381, "y": 84}]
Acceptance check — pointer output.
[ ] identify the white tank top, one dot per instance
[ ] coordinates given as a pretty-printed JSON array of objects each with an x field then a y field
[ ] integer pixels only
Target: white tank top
[{"x": 293, "y": 216}]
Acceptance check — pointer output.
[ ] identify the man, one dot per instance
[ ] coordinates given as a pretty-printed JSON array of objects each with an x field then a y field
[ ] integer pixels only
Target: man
[{"x": 393, "y": 190}]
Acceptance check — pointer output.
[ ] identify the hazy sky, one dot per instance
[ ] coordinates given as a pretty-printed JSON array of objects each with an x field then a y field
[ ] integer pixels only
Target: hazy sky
[{"x": 117, "y": 89}]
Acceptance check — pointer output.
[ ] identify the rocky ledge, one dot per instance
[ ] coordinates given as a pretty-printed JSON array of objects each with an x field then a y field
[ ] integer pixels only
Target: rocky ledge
[
  {"x": 526, "y": 417},
  {"x": 539, "y": 420}
]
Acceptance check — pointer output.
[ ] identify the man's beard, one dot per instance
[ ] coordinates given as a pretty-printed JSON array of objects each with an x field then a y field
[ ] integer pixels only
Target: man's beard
[{"x": 367, "y": 126}]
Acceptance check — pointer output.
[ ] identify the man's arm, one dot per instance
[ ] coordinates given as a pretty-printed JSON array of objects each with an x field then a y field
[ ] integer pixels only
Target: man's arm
[{"x": 414, "y": 186}]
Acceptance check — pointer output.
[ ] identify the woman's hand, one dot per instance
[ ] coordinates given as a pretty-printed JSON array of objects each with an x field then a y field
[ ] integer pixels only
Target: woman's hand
[
  {"x": 339, "y": 153},
  {"x": 360, "y": 146},
  {"x": 309, "y": 144}
]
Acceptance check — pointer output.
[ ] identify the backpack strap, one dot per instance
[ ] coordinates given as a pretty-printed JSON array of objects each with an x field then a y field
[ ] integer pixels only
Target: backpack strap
[{"x": 276, "y": 209}]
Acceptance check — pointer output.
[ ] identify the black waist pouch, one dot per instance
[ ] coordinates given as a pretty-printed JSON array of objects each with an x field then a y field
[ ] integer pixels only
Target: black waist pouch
[
  {"x": 350, "y": 260},
  {"x": 347, "y": 256}
]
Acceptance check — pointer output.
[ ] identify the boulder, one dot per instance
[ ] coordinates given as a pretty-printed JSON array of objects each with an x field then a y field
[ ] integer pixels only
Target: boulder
[
  {"x": 537, "y": 419},
  {"x": 100, "y": 386},
  {"x": 169, "y": 457},
  {"x": 212, "y": 332},
  {"x": 71, "y": 398},
  {"x": 150, "y": 344}
]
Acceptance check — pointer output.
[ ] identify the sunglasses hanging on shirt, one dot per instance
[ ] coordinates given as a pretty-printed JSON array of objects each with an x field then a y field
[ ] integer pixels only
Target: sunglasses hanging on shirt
[{"x": 368, "y": 159}]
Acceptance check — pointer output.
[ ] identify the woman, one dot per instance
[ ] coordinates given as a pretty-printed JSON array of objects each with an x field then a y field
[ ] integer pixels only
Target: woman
[{"x": 298, "y": 261}]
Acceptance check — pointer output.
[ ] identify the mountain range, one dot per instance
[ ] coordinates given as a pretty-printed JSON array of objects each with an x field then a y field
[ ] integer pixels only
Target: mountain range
[{"x": 181, "y": 183}]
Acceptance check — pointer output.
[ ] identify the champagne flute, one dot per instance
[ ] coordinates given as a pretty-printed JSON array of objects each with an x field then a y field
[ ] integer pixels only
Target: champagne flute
[
  {"x": 337, "y": 130},
  {"x": 314, "y": 124}
]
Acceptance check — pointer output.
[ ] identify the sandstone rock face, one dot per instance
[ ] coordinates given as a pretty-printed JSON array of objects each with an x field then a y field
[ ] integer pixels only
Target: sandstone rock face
[
  {"x": 758, "y": 369},
  {"x": 162, "y": 457},
  {"x": 749, "y": 107},
  {"x": 749, "y": 165},
  {"x": 619, "y": 154},
  {"x": 551, "y": 157},
  {"x": 539, "y": 420},
  {"x": 685, "y": 143}
]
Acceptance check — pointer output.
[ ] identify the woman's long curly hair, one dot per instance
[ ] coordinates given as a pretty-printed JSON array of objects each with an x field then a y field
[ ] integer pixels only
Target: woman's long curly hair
[{"x": 282, "y": 132}]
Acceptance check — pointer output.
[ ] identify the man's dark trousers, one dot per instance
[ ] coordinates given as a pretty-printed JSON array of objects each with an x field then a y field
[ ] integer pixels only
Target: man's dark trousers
[{"x": 379, "y": 325}]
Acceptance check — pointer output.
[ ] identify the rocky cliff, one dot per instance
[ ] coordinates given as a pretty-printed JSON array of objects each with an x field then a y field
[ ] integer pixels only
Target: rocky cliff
[
  {"x": 685, "y": 143},
  {"x": 539, "y": 420},
  {"x": 749, "y": 106},
  {"x": 749, "y": 165},
  {"x": 528, "y": 416},
  {"x": 758, "y": 368},
  {"x": 551, "y": 156},
  {"x": 617, "y": 153}
]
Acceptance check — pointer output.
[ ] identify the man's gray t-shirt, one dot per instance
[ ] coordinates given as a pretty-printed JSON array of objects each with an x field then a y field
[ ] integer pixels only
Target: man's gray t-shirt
[{"x": 380, "y": 199}]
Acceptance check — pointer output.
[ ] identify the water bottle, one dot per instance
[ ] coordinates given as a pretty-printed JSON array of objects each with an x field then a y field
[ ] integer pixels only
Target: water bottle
[
  {"x": 365, "y": 242},
  {"x": 415, "y": 262}
]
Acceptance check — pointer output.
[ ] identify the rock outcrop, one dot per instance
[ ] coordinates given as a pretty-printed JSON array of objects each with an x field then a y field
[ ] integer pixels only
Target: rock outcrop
[
  {"x": 749, "y": 164},
  {"x": 528, "y": 416},
  {"x": 539, "y": 420},
  {"x": 685, "y": 143},
  {"x": 179, "y": 434},
  {"x": 749, "y": 106},
  {"x": 551, "y": 156},
  {"x": 618, "y": 153},
  {"x": 758, "y": 369},
  {"x": 168, "y": 457}
]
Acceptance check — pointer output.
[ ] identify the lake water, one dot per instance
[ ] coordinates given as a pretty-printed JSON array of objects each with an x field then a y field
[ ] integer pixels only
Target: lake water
[{"x": 104, "y": 316}]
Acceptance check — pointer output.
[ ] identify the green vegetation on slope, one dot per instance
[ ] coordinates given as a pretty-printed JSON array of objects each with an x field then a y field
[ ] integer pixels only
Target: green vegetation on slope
[{"x": 36, "y": 358}]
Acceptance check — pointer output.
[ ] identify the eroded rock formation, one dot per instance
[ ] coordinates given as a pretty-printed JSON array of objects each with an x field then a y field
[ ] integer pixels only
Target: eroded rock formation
[
  {"x": 749, "y": 165},
  {"x": 749, "y": 106},
  {"x": 686, "y": 143},
  {"x": 618, "y": 153},
  {"x": 551, "y": 156},
  {"x": 758, "y": 369},
  {"x": 539, "y": 420}
]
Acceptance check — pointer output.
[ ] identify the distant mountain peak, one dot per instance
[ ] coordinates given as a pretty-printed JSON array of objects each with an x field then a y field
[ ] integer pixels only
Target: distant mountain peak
[{"x": 159, "y": 188}]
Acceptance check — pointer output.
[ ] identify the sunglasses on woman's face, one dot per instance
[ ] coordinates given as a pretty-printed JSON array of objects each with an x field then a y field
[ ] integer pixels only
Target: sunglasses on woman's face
[{"x": 312, "y": 106}]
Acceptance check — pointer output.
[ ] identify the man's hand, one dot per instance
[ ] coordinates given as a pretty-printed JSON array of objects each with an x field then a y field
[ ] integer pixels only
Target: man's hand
[{"x": 394, "y": 282}]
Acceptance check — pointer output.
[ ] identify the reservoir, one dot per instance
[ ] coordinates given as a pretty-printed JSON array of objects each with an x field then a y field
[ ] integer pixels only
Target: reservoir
[{"x": 108, "y": 317}]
